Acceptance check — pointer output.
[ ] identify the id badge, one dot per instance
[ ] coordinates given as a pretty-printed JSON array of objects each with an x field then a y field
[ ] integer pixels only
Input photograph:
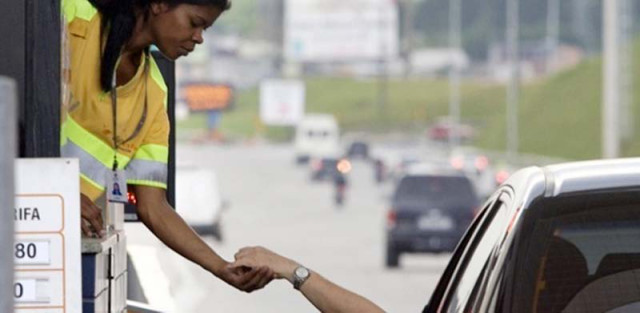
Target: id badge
[{"x": 117, "y": 187}]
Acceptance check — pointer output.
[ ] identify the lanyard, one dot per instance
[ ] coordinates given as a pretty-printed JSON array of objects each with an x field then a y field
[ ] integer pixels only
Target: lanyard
[{"x": 114, "y": 110}]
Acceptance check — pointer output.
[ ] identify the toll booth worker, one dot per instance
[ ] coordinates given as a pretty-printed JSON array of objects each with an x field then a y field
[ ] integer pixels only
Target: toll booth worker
[
  {"x": 117, "y": 122},
  {"x": 322, "y": 293}
]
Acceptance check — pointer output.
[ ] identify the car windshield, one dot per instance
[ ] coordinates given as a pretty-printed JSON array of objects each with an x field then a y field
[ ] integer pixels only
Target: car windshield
[
  {"x": 587, "y": 261},
  {"x": 434, "y": 190}
]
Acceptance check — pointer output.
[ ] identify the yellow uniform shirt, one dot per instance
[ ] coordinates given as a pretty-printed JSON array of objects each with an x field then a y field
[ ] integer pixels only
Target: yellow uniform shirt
[{"x": 87, "y": 132}]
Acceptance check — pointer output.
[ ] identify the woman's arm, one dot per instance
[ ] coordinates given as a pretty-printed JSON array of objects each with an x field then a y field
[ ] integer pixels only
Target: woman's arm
[
  {"x": 322, "y": 293},
  {"x": 156, "y": 213}
]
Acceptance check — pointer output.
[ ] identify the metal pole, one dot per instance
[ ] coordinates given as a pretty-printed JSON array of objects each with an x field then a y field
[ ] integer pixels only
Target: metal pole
[
  {"x": 513, "y": 30},
  {"x": 382, "y": 70},
  {"x": 8, "y": 102},
  {"x": 553, "y": 26},
  {"x": 626, "y": 10},
  {"x": 408, "y": 34},
  {"x": 455, "y": 42},
  {"x": 611, "y": 101}
]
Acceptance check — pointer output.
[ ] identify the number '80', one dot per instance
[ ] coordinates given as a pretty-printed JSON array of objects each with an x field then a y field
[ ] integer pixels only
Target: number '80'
[{"x": 23, "y": 251}]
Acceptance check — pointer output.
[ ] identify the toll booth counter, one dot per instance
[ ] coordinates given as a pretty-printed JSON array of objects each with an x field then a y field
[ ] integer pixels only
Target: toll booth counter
[{"x": 104, "y": 266}]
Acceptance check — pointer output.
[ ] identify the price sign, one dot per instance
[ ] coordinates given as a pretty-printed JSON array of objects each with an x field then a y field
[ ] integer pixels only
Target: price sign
[
  {"x": 46, "y": 245},
  {"x": 31, "y": 253},
  {"x": 24, "y": 290}
]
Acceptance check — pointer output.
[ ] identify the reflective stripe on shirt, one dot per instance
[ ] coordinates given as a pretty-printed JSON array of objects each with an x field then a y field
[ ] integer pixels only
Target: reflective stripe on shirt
[
  {"x": 91, "y": 144},
  {"x": 74, "y": 8},
  {"x": 145, "y": 172},
  {"x": 153, "y": 152},
  {"x": 148, "y": 167},
  {"x": 90, "y": 168}
]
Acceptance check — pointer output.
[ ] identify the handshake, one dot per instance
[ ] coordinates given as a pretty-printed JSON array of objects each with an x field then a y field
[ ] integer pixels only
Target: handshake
[{"x": 255, "y": 267}]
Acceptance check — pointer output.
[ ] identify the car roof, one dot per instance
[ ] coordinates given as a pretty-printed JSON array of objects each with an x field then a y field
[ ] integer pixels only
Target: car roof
[
  {"x": 584, "y": 176},
  {"x": 592, "y": 175},
  {"x": 575, "y": 177}
]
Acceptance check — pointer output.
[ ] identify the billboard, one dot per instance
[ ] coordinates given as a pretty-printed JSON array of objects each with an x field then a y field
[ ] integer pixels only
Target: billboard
[
  {"x": 340, "y": 31},
  {"x": 282, "y": 102}
]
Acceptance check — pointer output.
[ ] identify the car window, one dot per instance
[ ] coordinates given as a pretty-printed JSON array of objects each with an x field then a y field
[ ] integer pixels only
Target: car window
[
  {"x": 493, "y": 229},
  {"x": 581, "y": 258},
  {"x": 447, "y": 276},
  {"x": 608, "y": 258},
  {"x": 434, "y": 189},
  {"x": 477, "y": 294}
]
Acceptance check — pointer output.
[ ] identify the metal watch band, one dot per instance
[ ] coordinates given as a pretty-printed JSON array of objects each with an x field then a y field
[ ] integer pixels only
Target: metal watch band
[{"x": 299, "y": 280}]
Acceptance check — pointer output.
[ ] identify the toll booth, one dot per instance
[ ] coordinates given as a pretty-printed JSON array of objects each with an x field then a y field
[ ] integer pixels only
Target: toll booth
[{"x": 31, "y": 56}]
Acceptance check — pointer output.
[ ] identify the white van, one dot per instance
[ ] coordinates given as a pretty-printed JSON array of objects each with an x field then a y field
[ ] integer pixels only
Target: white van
[
  {"x": 317, "y": 136},
  {"x": 198, "y": 199}
]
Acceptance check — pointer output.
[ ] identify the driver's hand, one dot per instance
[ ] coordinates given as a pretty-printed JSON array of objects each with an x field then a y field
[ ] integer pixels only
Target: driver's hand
[
  {"x": 247, "y": 279},
  {"x": 91, "y": 218}
]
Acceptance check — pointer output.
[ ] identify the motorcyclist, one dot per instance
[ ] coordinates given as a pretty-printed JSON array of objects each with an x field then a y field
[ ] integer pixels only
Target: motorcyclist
[{"x": 340, "y": 183}]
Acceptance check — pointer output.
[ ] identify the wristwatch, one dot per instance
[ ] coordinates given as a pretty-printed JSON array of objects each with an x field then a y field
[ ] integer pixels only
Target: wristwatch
[{"x": 300, "y": 275}]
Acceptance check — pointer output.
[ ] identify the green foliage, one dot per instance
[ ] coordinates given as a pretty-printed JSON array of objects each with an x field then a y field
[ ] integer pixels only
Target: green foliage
[
  {"x": 241, "y": 19},
  {"x": 560, "y": 116}
]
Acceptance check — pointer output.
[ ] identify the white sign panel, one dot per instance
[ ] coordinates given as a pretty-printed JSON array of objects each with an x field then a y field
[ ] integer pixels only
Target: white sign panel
[
  {"x": 282, "y": 102},
  {"x": 46, "y": 250},
  {"x": 339, "y": 30}
]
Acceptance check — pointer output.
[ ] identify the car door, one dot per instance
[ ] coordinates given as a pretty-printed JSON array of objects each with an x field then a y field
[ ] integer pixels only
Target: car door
[{"x": 469, "y": 264}]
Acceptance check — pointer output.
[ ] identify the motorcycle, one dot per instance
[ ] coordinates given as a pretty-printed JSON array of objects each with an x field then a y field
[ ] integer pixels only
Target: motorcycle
[
  {"x": 340, "y": 183},
  {"x": 380, "y": 171}
]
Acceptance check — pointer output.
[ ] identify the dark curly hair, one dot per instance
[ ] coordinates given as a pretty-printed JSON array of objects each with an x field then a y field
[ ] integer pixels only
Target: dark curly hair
[{"x": 119, "y": 19}]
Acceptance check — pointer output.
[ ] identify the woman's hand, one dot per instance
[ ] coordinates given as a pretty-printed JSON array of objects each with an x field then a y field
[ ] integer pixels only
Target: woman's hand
[
  {"x": 246, "y": 279},
  {"x": 256, "y": 257},
  {"x": 91, "y": 221},
  {"x": 156, "y": 213}
]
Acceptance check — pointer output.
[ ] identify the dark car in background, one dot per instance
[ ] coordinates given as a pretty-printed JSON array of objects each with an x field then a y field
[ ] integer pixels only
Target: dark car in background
[
  {"x": 430, "y": 211},
  {"x": 358, "y": 149},
  {"x": 558, "y": 239},
  {"x": 324, "y": 168}
]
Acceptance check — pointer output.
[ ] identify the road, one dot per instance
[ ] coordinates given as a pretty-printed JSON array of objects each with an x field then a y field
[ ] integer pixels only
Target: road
[{"x": 274, "y": 204}]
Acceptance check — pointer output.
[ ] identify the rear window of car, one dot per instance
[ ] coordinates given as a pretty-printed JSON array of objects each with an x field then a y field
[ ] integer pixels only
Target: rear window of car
[
  {"x": 583, "y": 261},
  {"x": 329, "y": 162},
  {"x": 434, "y": 189}
]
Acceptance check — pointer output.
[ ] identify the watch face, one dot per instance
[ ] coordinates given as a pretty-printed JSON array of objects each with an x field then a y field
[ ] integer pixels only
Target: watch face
[{"x": 302, "y": 272}]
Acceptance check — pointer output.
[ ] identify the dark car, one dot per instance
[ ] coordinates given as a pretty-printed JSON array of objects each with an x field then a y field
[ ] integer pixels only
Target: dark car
[
  {"x": 563, "y": 238},
  {"x": 429, "y": 213},
  {"x": 358, "y": 149},
  {"x": 324, "y": 169}
]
